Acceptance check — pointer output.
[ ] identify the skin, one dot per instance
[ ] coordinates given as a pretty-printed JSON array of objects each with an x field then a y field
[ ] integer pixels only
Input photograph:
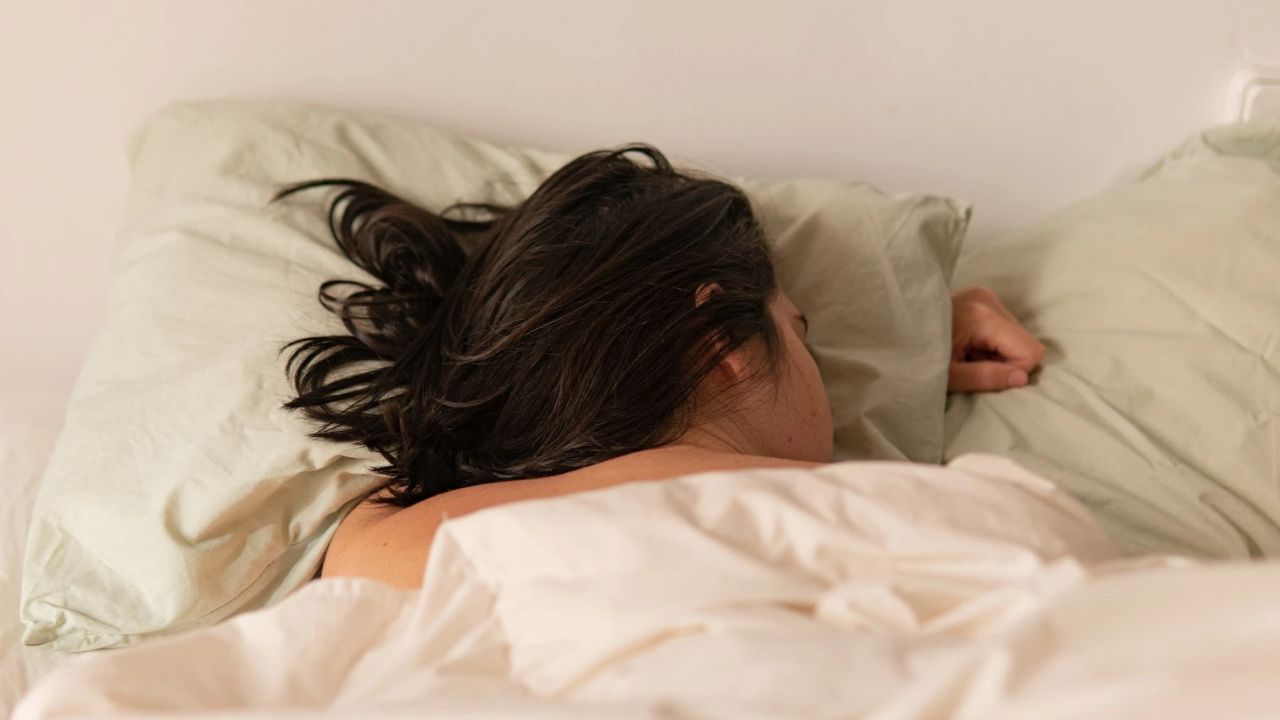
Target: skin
[
  {"x": 990, "y": 350},
  {"x": 781, "y": 423}
]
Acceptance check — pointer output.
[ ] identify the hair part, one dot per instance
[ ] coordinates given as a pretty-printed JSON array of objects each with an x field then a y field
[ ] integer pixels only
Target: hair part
[{"x": 571, "y": 334}]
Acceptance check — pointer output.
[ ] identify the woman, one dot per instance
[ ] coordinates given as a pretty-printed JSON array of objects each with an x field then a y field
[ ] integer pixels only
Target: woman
[{"x": 623, "y": 323}]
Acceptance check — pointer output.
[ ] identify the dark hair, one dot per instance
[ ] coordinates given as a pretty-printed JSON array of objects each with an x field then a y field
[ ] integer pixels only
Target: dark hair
[{"x": 573, "y": 333}]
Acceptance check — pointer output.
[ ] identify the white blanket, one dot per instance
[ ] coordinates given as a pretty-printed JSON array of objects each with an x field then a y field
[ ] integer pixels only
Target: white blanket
[{"x": 861, "y": 589}]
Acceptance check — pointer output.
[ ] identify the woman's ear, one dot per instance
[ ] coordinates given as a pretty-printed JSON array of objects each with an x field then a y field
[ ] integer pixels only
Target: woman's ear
[{"x": 734, "y": 367}]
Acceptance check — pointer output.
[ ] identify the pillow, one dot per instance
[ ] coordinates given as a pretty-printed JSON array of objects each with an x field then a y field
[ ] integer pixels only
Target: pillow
[
  {"x": 180, "y": 493},
  {"x": 1158, "y": 401}
]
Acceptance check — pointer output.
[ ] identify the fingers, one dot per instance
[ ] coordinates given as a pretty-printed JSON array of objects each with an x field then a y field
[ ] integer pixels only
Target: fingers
[
  {"x": 984, "y": 376},
  {"x": 985, "y": 329},
  {"x": 1009, "y": 340},
  {"x": 991, "y": 351}
]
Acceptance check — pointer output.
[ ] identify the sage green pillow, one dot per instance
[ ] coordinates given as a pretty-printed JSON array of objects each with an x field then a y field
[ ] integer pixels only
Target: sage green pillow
[
  {"x": 1158, "y": 402},
  {"x": 179, "y": 492}
]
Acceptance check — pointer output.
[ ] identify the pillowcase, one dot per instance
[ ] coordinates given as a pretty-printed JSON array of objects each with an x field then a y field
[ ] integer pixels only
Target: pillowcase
[
  {"x": 180, "y": 493},
  {"x": 1158, "y": 401}
]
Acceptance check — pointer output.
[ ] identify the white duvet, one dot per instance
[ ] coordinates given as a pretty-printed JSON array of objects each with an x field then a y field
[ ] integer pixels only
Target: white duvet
[{"x": 861, "y": 589}]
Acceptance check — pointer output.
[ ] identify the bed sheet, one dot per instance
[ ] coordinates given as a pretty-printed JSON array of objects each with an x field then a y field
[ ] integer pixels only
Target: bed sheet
[{"x": 29, "y": 424}]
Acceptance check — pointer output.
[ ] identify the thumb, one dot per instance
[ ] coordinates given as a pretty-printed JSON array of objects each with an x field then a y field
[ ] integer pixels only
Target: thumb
[{"x": 984, "y": 376}]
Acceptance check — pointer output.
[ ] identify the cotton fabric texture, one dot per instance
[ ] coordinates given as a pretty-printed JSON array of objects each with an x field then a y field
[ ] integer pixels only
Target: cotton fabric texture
[
  {"x": 179, "y": 493},
  {"x": 852, "y": 590},
  {"x": 1158, "y": 401}
]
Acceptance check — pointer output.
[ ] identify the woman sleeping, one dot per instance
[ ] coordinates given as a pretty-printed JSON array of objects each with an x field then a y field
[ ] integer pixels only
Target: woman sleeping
[{"x": 623, "y": 323}]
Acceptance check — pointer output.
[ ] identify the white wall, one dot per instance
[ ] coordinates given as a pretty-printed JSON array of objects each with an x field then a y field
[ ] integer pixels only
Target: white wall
[{"x": 1018, "y": 106}]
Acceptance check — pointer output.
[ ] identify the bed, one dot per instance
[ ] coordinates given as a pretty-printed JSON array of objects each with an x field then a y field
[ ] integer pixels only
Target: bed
[
  {"x": 1187, "y": 639},
  {"x": 899, "y": 591}
]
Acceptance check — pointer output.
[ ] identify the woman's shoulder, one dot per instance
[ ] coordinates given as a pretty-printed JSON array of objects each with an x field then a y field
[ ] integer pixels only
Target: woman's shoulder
[{"x": 391, "y": 543}]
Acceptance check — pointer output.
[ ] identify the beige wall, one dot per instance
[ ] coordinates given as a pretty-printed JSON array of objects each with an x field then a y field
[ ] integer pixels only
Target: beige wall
[{"x": 1018, "y": 106}]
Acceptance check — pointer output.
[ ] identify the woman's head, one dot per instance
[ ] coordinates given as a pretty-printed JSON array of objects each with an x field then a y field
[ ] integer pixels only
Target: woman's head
[{"x": 622, "y": 304}]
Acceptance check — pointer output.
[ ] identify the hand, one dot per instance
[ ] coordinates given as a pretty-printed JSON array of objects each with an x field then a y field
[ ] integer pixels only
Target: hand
[{"x": 990, "y": 350}]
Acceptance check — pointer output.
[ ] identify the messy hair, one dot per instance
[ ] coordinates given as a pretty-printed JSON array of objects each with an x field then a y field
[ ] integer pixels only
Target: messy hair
[{"x": 577, "y": 329}]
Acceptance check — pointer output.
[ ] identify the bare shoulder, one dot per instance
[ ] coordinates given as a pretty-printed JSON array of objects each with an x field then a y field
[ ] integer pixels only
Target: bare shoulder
[
  {"x": 348, "y": 552},
  {"x": 391, "y": 544}
]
